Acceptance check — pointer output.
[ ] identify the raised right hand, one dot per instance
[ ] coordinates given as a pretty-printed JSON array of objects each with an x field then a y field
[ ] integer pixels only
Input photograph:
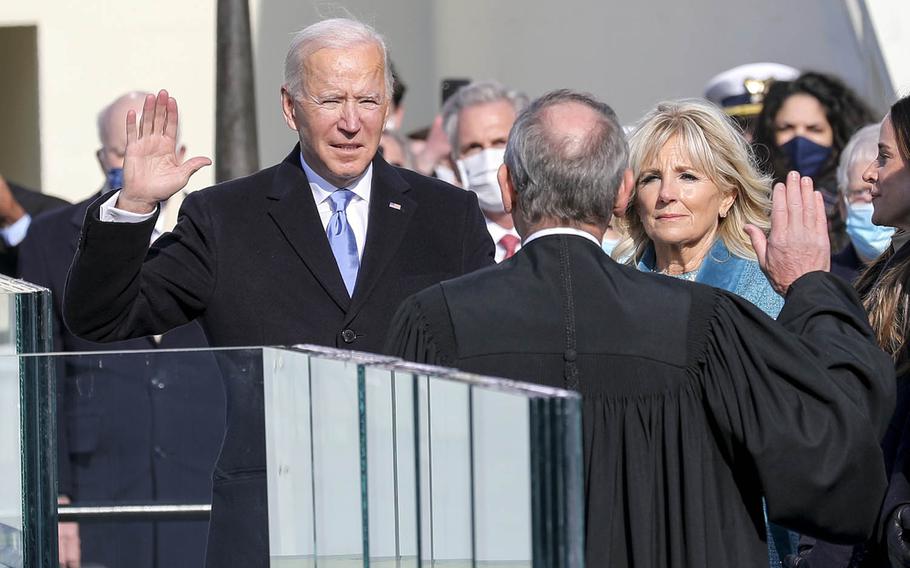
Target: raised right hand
[
  {"x": 151, "y": 170},
  {"x": 798, "y": 241}
]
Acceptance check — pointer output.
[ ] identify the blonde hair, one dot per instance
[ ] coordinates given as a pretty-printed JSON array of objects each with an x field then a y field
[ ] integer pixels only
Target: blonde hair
[{"x": 717, "y": 148}]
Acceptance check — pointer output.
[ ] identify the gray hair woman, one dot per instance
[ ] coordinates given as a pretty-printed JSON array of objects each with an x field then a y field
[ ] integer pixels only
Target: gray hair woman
[
  {"x": 696, "y": 188},
  {"x": 867, "y": 240}
]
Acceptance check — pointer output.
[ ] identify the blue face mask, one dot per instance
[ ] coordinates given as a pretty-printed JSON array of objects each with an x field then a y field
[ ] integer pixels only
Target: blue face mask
[
  {"x": 114, "y": 178},
  {"x": 868, "y": 239},
  {"x": 806, "y": 156}
]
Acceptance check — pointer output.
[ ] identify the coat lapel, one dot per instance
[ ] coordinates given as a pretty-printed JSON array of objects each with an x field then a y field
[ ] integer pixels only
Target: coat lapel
[
  {"x": 390, "y": 213},
  {"x": 294, "y": 211}
]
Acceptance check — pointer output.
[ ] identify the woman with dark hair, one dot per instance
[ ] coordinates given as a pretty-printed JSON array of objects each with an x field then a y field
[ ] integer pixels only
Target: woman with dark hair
[
  {"x": 805, "y": 125},
  {"x": 885, "y": 290}
]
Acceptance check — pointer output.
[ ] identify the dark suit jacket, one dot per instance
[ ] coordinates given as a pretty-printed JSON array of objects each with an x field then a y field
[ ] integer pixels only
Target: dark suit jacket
[
  {"x": 847, "y": 264},
  {"x": 250, "y": 259},
  {"x": 34, "y": 203},
  {"x": 695, "y": 404},
  {"x": 131, "y": 428}
]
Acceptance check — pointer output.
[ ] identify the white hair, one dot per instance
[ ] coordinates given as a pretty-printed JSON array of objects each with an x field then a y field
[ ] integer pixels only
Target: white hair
[
  {"x": 863, "y": 145},
  {"x": 334, "y": 33},
  {"x": 477, "y": 93}
]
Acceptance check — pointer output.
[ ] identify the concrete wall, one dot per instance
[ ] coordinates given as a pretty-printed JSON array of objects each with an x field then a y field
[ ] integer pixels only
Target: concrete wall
[{"x": 631, "y": 54}]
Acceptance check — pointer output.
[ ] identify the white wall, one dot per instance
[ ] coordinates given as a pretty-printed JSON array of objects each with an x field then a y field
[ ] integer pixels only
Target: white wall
[{"x": 90, "y": 52}]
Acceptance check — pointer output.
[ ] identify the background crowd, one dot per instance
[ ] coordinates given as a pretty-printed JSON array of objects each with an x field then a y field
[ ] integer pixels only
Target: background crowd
[{"x": 699, "y": 203}]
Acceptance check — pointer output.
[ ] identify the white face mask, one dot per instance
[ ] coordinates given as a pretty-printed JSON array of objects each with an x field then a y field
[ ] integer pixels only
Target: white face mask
[
  {"x": 446, "y": 174},
  {"x": 868, "y": 239},
  {"x": 478, "y": 174}
]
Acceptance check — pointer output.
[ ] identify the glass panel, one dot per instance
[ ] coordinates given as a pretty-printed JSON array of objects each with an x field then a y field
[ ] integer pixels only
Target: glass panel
[
  {"x": 289, "y": 455},
  {"x": 145, "y": 428},
  {"x": 382, "y": 487},
  {"x": 406, "y": 463},
  {"x": 451, "y": 482},
  {"x": 367, "y": 461},
  {"x": 502, "y": 478},
  {"x": 11, "y": 545},
  {"x": 336, "y": 459},
  {"x": 27, "y": 521}
]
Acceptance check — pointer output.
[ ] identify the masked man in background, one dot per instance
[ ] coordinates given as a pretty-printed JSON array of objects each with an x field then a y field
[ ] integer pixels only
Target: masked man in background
[{"x": 477, "y": 120}]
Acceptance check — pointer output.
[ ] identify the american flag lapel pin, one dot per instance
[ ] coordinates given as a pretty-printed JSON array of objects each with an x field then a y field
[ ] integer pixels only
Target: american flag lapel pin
[{"x": 394, "y": 206}]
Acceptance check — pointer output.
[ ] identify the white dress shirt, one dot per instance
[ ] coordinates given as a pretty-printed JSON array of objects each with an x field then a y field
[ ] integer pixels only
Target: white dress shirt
[
  {"x": 497, "y": 232},
  {"x": 358, "y": 210},
  {"x": 111, "y": 214},
  {"x": 15, "y": 233},
  {"x": 560, "y": 231}
]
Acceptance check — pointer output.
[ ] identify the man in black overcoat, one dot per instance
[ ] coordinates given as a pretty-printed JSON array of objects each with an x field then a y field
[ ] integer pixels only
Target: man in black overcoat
[
  {"x": 696, "y": 405},
  {"x": 320, "y": 248}
]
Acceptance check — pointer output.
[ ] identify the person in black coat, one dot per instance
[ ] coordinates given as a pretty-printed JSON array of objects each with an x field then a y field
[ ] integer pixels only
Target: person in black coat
[
  {"x": 696, "y": 405},
  {"x": 885, "y": 289},
  {"x": 130, "y": 428},
  {"x": 273, "y": 258},
  {"x": 17, "y": 207}
]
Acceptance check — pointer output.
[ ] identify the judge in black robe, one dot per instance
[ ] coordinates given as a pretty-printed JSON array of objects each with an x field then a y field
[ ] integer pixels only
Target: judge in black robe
[{"x": 695, "y": 403}]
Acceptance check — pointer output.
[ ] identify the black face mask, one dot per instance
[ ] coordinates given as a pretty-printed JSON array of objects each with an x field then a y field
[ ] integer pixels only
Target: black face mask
[{"x": 806, "y": 156}]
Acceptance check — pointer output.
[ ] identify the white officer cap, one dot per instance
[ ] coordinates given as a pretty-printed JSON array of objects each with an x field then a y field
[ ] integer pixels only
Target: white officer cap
[{"x": 740, "y": 91}]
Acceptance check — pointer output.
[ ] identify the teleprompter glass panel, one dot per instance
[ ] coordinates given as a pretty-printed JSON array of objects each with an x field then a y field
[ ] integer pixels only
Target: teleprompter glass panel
[
  {"x": 390, "y": 468},
  {"x": 144, "y": 428},
  {"x": 27, "y": 520},
  {"x": 289, "y": 453},
  {"x": 337, "y": 475},
  {"x": 449, "y": 461},
  {"x": 502, "y": 478},
  {"x": 367, "y": 461}
]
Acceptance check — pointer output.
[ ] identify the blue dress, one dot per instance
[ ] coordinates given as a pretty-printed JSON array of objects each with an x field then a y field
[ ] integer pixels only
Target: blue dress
[{"x": 723, "y": 269}]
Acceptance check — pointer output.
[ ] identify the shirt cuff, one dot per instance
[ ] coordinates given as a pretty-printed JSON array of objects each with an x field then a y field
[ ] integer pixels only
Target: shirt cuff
[
  {"x": 110, "y": 214},
  {"x": 15, "y": 233}
]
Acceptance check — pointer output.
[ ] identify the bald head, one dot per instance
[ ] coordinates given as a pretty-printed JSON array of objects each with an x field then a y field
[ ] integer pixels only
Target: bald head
[
  {"x": 112, "y": 128},
  {"x": 570, "y": 125},
  {"x": 566, "y": 157},
  {"x": 112, "y": 118}
]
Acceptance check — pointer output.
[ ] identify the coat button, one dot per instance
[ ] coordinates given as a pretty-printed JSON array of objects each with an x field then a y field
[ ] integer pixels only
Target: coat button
[{"x": 348, "y": 336}]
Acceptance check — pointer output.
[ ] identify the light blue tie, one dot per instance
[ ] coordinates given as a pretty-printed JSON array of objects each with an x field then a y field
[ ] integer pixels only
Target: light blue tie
[{"x": 341, "y": 238}]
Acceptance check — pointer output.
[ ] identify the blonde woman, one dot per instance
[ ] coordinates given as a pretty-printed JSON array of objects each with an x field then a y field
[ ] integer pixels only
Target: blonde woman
[{"x": 696, "y": 188}]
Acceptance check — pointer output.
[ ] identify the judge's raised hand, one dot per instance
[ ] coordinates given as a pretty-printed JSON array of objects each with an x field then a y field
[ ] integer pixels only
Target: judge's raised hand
[
  {"x": 152, "y": 172},
  {"x": 798, "y": 241}
]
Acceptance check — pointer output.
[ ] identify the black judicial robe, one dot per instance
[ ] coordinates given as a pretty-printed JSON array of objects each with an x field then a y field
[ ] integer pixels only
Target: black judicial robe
[{"x": 695, "y": 403}]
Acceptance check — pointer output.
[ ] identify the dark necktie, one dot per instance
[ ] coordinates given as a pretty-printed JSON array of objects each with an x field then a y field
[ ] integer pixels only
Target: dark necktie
[{"x": 341, "y": 238}]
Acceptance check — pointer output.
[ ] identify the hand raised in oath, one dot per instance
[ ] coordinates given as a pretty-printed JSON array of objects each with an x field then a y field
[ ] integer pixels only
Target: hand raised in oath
[
  {"x": 798, "y": 241},
  {"x": 152, "y": 172}
]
